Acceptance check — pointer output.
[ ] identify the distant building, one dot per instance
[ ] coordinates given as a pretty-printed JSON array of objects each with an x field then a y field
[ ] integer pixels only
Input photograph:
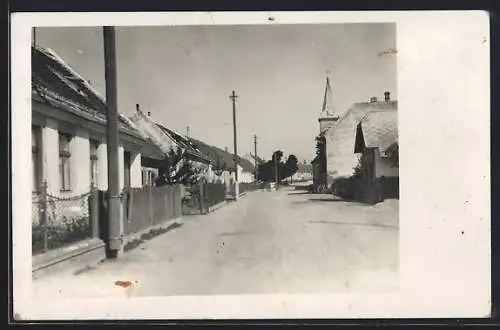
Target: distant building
[
  {"x": 376, "y": 134},
  {"x": 222, "y": 161},
  {"x": 304, "y": 173},
  {"x": 340, "y": 138}
]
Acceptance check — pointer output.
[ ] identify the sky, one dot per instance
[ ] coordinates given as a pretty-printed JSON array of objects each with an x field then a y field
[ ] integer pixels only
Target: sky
[{"x": 184, "y": 75}]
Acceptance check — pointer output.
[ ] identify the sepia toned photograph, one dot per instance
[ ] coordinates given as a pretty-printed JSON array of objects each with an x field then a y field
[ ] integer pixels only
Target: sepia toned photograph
[
  {"x": 244, "y": 160},
  {"x": 223, "y": 168}
]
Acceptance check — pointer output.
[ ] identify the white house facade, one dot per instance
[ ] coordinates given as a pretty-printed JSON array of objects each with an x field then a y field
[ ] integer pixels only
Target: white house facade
[{"x": 69, "y": 150}]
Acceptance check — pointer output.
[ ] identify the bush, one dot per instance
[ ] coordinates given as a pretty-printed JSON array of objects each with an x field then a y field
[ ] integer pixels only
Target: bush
[
  {"x": 70, "y": 230},
  {"x": 346, "y": 188}
]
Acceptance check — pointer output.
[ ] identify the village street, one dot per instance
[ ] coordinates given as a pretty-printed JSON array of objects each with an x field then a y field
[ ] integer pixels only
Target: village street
[{"x": 267, "y": 242}]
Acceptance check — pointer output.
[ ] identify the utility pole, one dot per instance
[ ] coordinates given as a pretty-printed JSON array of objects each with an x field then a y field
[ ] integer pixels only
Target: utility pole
[
  {"x": 255, "y": 156},
  {"x": 114, "y": 240},
  {"x": 233, "y": 97},
  {"x": 276, "y": 171}
]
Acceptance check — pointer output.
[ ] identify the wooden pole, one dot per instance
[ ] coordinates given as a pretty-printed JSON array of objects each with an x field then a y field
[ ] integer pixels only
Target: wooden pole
[
  {"x": 255, "y": 157},
  {"x": 233, "y": 97}
]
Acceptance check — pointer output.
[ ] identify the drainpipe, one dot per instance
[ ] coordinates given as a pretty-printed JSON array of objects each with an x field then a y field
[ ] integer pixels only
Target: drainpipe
[{"x": 114, "y": 241}]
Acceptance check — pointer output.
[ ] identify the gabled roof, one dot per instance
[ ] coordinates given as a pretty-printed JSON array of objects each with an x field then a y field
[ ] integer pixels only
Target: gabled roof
[
  {"x": 252, "y": 158},
  {"x": 378, "y": 129},
  {"x": 55, "y": 82},
  {"x": 358, "y": 110},
  {"x": 185, "y": 144},
  {"x": 216, "y": 154}
]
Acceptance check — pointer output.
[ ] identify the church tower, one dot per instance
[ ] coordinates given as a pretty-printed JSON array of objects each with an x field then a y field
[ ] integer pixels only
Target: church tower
[{"x": 328, "y": 116}]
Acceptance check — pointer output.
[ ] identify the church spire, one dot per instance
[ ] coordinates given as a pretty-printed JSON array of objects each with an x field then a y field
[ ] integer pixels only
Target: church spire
[
  {"x": 328, "y": 116},
  {"x": 328, "y": 108}
]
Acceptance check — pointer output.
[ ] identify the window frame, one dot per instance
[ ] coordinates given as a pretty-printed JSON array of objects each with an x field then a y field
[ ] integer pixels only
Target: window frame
[
  {"x": 94, "y": 165},
  {"x": 65, "y": 160},
  {"x": 35, "y": 154}
]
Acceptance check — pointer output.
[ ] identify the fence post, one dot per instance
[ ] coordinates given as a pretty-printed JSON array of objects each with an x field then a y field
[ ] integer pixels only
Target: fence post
[
  {"x": 178, "y": 201},
  {"x": 150, "y": 203},
  {"x": 202, "y": 197},
  {"x": 45, "y": 216},
  {"x": 94, "y": 221},
  {"x": 130, "y": 204},
  {"x": 174, "y": 201}
]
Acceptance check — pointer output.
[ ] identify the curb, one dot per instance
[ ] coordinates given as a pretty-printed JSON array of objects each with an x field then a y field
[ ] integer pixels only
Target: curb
[
  {"x": 217, "y": 206},
  {"x": 162, "y": 226},
  {"x": 70, "y": 260}
]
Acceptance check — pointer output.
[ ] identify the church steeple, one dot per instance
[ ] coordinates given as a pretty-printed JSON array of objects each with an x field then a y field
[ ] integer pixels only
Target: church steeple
[
  {"x": 328, "y": 99},
  {"x": 328, "y": 115}
]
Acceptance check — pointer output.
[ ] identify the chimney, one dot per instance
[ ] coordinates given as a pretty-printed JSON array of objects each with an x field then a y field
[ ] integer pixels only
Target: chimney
[
  {"x": 225, "y": 148},
  {"x": 149, "y": 113},
  {"x": 373, "y": 99},
  {"x": 387, "y": 96},
  {"x": 137, "y": 108}
]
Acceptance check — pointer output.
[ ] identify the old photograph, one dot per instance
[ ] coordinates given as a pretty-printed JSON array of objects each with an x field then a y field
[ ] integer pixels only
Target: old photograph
[
  {"x": 218, "y": 167},
  {"x": 249, "y": 159}
]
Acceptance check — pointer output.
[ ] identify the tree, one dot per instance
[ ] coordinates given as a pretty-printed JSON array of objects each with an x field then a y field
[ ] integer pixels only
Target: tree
[
  {"x": 321, "y": 157},
  {"x": 177, "y": 170},
  {"x": 267, "y": 171}
]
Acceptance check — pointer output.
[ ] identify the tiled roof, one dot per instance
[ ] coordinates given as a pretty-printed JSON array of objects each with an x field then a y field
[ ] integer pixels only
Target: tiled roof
[
  {"x": 251, "y": 158},
  {"x": 184, "y": 143},
  {"x": 341, "y": 138},
  {"x": 360, "y": 109},
  {"x": 224, "y": 157},
  {"x": 56, "y": 83},
  {"x": 380, "y": 129}
]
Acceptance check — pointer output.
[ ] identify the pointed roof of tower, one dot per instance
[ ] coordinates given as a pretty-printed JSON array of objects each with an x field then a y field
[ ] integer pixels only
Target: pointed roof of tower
[{"x": 328, "y": 110}]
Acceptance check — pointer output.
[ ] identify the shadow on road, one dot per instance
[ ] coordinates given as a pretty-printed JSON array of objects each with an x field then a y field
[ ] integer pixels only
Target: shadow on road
[
  {"x": 326, "y": 200},
  {"x": 299, "y": 193}
]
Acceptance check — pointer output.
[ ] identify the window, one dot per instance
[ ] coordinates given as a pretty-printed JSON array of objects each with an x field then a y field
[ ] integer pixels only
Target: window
[
  {"x": 64, "y": 162},
  {"x": 94, "y": 145},
  {"x": 126, "y": 162},
  {"x": 35, "y": 156}
]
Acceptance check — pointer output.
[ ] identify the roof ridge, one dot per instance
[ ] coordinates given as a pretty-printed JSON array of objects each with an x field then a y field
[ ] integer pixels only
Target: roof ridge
[{"x": 375, "y": 111}]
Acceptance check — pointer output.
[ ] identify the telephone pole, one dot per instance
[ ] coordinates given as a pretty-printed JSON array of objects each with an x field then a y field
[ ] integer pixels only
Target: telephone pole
[
  {"x": 233, "y": 98},
  {"x": 114, "y": 239},
  {"x": 276, "y": 171},
  {"x": 255, "y": 157}
]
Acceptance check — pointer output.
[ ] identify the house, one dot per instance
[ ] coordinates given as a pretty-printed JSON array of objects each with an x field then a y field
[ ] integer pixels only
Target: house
[
  {"x": 340, "y": 160},
  {"x": 167, "y": 140},
  {"x": 304, "y": 173},
  {"x": 222, "y": 164},
  {"x": 69, "y": 132},
  {"x": 69, "y": 150},
  {"x": 376, "y": 138}
]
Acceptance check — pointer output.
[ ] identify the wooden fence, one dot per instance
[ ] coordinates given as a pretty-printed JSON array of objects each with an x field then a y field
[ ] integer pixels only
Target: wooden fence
[
  {"x": 150, "y": 206},
  {"x": 201, "y": 197},
  {"x": 244, "y": 187}
]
